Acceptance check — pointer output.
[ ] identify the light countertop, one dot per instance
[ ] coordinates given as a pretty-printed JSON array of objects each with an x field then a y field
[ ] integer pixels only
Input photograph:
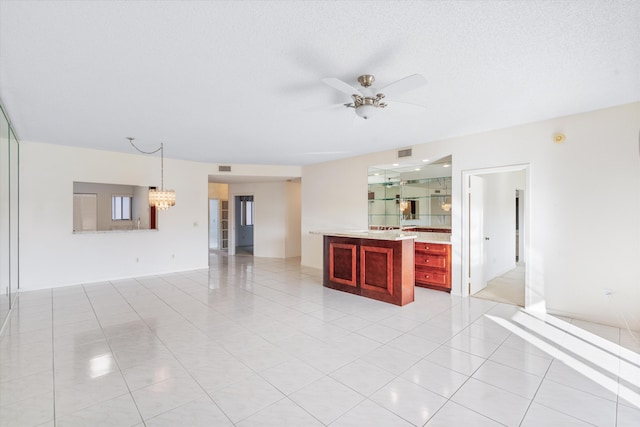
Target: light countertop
[
  {"x": 370, "y": 234},
  {"x": 427, "y": 237},
  {"x": 430, "y": 237}
]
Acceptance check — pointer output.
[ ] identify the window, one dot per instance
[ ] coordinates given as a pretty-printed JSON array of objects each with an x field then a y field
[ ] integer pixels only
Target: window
[
  {"x": 246, "y": 210},
  {"x": 121, "y": 208}
]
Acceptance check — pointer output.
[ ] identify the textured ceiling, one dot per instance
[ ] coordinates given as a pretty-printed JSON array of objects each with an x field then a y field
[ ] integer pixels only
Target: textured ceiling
[{"x": 240, "y": 81}]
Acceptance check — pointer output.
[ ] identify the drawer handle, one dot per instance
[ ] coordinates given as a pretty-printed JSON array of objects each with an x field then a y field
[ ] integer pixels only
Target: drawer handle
[{"x": 427, "y": 260}]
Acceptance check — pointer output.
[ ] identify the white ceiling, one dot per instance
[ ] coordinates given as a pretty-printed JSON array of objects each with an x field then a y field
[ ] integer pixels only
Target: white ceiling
[{"x": 239, "y": 81}]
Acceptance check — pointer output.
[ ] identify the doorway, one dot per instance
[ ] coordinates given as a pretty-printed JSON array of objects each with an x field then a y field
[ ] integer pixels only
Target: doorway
[
  {"x": 214, "y": 221},
  {"x": 244, "y": 220},
  {"x": 495, "y": 219}
]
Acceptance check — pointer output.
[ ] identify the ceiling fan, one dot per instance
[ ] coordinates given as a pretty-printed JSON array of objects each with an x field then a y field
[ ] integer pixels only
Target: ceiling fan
[{"x": 367, "y": 100}]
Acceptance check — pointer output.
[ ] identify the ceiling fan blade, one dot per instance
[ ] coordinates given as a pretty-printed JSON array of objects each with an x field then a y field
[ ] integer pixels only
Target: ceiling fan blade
[
  {"x": 331, "y": 107},
  {"x": 403, "y": 85},
  {"x": 341, "y": 86},
  {"x": 405, "y": 108}
]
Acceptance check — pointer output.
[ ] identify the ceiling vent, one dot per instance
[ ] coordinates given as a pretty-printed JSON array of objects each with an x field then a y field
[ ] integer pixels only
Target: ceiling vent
[
  {"x": 224, "y": 168},
  {"x": 405, "y": 152}
]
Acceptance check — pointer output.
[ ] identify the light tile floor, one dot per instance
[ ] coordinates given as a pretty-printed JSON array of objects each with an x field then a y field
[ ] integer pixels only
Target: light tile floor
[{"x": 260, "y": 342}]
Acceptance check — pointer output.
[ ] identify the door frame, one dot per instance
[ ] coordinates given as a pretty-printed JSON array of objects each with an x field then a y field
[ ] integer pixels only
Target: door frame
[
  {"x": 232, "y": 221},
  {"x": 481, "y": 282},
  {"x": 216, "y": 214},
  {"x": 525, "y": 229}
]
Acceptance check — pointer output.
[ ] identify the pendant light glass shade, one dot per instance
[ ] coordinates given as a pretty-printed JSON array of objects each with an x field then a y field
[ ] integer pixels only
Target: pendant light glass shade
[
  {"x": 366, "y": 111},
  {"x": 162, "y": 199}
]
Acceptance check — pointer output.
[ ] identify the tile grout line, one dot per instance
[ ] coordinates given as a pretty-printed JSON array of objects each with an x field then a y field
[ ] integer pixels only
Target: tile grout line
[
  {"x": 255, "y": 372},
  {"x": 112, "y": 353},
  {"x": 536, "y": 393},
  {"x": 258, "y": 373},
  {"x": 471, "y": 375},
  {"x": 53, "y": 360},
  {"x": 168, "y": 349},
  {"x": 619, "y": 376},
  {"x": 553, "y": 409}
]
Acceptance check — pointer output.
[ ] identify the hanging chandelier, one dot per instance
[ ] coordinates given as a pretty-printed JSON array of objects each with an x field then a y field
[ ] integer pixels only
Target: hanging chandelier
[{"x": 162, "y": 199}]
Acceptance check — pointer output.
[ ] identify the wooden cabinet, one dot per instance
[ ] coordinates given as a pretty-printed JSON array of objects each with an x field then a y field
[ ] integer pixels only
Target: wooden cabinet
[
  {"x": 378, "y": 269},
  {"x": 433, "y": 266}
]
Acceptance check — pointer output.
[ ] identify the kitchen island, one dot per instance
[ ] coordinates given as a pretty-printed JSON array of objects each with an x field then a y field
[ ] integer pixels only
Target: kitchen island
[
  {"x": 386, "y": 265},
  {"x": 376, "y": 264}
]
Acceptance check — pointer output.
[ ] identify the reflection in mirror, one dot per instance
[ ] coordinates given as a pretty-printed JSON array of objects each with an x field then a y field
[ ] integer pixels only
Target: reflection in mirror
[
  {"x": 9, "y": 200},
  {"x": 409, "y": 195},
  {"x": 111, "y": 207}
]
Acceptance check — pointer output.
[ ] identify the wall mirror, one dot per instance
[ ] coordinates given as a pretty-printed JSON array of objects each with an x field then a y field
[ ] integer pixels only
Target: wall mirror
[
  {"x": 111, "y": 207},
  {"x": 407, "y": 195}
]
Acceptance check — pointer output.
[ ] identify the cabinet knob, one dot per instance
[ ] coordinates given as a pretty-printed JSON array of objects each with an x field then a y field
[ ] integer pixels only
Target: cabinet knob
[{"x": 427, "y": 260}]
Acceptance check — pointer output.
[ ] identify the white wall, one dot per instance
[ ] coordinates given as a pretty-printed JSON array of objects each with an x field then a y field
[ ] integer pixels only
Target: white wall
[
  {"x": 272, "y": 204},
  {"x": 576, "y": 249},
  {"x": 218, "y": 191},
  {"x": 51, "y": 255},
  {"x": 334, "y": 197},
  {"x": 292, "y": 243},
  {"x": 500, "y": 221}
]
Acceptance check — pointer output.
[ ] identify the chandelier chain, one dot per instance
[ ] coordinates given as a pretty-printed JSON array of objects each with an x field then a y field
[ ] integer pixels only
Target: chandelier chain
[
  {"x": 161, "y": 150},
  {"x": 142, "y": 151},
  {"x": 158, "y": 198}
]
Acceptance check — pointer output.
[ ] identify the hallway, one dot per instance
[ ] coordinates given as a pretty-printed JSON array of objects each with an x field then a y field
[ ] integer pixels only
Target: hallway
[{"x": 507, "y": 288}]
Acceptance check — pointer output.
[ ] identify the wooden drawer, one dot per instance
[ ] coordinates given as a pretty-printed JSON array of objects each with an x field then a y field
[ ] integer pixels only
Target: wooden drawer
[
  {"x": 432, "y": 248},
  {"x": 433, "y": 261},
  {"x": 437, "y": 278}
]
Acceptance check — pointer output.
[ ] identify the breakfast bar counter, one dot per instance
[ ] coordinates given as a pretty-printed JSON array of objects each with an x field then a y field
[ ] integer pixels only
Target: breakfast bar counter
[{"x": 375, "y": 264}]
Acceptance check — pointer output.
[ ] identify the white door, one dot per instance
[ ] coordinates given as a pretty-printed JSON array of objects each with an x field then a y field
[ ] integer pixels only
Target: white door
[
  {"x": 213, "y": 224},
  {"x": 477, "y": 281}
]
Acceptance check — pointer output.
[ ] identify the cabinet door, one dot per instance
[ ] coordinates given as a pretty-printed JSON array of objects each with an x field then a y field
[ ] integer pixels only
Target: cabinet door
[
  {"x": 342, "y": 263},
  {"x": 376, "y": 271}
]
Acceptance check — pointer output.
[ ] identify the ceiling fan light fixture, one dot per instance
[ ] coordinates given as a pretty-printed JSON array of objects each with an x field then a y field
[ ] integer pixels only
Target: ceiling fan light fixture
[
  {"x": 366, "y": 80},
  {"x": 366, "y": 111},
  {"x": 364, "y": 101},
  {"x": 367, "y": 106}
]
